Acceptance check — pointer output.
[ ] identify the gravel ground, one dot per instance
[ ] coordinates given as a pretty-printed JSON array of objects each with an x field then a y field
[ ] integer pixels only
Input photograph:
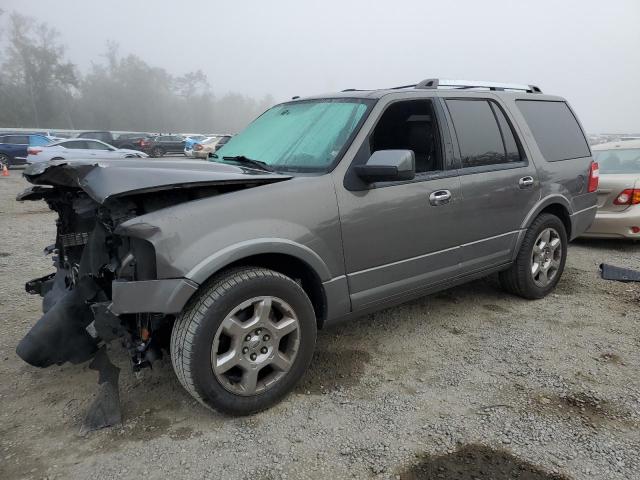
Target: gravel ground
[{"x": 468, "y": 383}]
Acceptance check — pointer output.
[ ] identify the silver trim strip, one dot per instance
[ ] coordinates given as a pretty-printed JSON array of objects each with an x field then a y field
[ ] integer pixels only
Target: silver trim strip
[{"x": 366, "y": 270}]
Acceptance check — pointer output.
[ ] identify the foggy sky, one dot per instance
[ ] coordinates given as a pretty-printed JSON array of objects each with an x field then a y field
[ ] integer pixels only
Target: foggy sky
[{"x": 587, "y": 51}]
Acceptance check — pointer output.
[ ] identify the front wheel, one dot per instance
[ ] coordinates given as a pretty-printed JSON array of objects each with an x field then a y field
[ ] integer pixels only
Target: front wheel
[
  {"x": 245, "y": 341},
  {"x": 4, "y": 161},
  {"x": 540, "y": 261}
]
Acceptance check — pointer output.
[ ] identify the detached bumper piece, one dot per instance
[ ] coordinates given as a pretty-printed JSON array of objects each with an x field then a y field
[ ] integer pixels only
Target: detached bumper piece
[
  {"x": 105, "y": 409},
  {"x": 60, "y": 335},
  {"x": 619, "y": 274}
]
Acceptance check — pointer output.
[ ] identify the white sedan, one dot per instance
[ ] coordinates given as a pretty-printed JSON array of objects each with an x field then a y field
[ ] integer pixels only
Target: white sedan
[{"x": 82, "y": 148}]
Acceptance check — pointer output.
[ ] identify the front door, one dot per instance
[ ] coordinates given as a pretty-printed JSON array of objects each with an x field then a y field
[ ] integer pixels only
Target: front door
[{"x": 401, "y": 237}]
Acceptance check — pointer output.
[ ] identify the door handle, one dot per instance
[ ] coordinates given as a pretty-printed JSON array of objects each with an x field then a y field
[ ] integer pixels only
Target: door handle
[
  {"x": 440, "y": 197},
  {"x": 526, "y": 182}
]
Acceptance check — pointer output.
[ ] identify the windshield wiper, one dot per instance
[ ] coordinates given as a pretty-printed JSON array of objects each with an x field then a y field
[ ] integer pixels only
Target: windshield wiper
[{"x": 250, "y": 162}]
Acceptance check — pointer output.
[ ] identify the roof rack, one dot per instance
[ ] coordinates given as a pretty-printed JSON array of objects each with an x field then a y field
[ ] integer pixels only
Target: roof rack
[{"x": 435, "y": 83}]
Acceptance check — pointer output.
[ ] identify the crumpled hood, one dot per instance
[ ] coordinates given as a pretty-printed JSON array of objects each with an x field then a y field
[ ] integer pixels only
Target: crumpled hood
[{"x": 104, "y": 179}]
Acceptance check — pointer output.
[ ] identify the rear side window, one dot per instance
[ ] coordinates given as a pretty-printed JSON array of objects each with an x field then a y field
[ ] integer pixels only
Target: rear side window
[
  {"x": 17, "y": 139},
  {"x": 484, "y": 134},
  {"x": 75, "y": 144},
  {"x": 555, "y": 129}
]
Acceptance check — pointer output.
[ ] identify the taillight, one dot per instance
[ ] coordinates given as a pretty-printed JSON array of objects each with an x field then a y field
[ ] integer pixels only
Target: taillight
[
  {"x": 33, "y": 151},
  {"x": 197, "y": 147},
  {"x": 594, "y": 177},
  {"x": 629, "y": 196}
]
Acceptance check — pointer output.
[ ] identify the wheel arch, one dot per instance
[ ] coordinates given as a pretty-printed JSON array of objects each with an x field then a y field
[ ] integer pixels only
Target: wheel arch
[
  {"x": 293, "y": 260},
  {"x": 556, "y": 205}
]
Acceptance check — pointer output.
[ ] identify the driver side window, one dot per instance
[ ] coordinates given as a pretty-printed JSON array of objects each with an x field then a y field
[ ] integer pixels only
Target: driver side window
[{"x": 410, "y": 125}]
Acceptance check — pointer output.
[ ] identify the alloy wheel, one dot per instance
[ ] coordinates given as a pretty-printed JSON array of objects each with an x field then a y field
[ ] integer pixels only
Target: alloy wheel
[
  {"x": 255, "y": 345},
  {"x": 546, "y": 257}
]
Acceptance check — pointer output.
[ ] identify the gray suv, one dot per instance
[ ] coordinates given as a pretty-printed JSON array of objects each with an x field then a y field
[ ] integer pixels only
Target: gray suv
[{"x": 321, "y": 210}]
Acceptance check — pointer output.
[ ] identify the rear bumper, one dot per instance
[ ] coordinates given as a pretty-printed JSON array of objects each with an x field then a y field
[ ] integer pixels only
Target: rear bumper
[{"x": 615, "y": 224}]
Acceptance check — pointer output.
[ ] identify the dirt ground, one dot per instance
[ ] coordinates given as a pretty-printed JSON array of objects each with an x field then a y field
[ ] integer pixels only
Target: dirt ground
[{"x": 468, "y": 383}]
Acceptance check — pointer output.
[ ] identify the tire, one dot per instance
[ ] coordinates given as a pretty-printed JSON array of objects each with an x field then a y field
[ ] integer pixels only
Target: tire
[
  {"x": 157, "y": 152},
  {"x": 4, "y": 160},
  {"x": 527, "y": 276},
  {"x": 199, "y": 340}
]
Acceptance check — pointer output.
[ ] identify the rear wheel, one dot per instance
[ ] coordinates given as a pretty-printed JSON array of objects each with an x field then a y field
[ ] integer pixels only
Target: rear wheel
[
  {"x": 244, "y": 341},
  {"x": 540, "y": 261},
  {"x": 4, "y": 161},
  {"x": 157, "y": 152}
]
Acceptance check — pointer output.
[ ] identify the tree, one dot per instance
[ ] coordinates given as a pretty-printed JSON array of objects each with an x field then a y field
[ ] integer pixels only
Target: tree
[
  {"x": 40, "y": 88},
  {"x": 37, "y": 79}
]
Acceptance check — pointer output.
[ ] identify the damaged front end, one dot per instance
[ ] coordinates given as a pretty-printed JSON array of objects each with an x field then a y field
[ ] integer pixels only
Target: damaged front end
[
  {"x": 89, "y": 257},
  {"x": 106, "y": 285}
]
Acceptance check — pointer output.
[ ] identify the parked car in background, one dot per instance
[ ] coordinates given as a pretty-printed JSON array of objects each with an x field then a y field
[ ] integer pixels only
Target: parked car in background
[
  {"x": 209, "y": 146},
  {"x": 13, "y": 148},
  {"x": 189, "y": 142},
  {"x": 160, "y": 145},
  {"x": 134, "y": 141},
  {"x": 618, "y": 213},
  {"x": 322, "y": 210},
  {"x": 80, "y": 148}
]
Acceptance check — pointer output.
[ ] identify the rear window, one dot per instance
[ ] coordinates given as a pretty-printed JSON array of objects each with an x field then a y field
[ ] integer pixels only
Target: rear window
[
  {"x": 555, "y": 129},
  {"x": 618, "y": 160}
]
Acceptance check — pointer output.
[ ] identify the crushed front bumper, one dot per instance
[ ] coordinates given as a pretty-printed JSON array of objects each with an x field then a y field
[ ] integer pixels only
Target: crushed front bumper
[{"x": 151, "y": 296}]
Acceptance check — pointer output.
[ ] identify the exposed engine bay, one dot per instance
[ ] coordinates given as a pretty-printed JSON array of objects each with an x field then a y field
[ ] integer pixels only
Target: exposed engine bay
[{"x": 88, "y": 257}]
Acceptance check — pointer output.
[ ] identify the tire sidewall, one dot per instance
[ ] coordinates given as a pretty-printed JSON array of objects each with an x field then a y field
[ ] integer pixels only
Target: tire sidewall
[
  {"x": 207, "y": 386},
  {"x": 546, "y": 221}
]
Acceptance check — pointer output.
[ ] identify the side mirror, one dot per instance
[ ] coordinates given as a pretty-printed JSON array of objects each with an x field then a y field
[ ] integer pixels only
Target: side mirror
[{"x": 388, "y": 166}]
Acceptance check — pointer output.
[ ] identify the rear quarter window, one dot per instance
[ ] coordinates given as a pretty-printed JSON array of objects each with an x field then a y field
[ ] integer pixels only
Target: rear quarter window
[{"x": 555, "y": 129}]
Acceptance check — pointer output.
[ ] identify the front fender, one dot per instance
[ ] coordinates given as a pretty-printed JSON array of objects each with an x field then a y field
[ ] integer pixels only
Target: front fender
[{"x": 226, "y": 256}]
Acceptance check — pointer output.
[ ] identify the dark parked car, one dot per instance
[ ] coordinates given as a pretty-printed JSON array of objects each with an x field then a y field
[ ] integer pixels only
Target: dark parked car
[
  {"x": 13, "y": 147},
  {"x": 322, "y": 210},
  {"x": 132, "y": 141},
  {"x": 159, "y": 145}
]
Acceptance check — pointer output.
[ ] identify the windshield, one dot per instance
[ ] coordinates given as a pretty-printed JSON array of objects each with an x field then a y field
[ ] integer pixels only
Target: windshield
[
  {"x": 619, "y": 160},
  {"x": 305, "y": 136}
]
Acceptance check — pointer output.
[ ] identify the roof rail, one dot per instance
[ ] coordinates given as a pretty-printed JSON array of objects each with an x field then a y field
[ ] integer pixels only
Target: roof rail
[{"x": 435, "y": 83}]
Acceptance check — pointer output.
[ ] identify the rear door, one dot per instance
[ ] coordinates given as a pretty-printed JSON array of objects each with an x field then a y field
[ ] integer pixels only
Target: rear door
[
  {"x": 176, "y": 144},
  {"x": 16, "y": 148},
  {"x": 76, "y": 149},
  {"x": 499, "y": 183}
]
